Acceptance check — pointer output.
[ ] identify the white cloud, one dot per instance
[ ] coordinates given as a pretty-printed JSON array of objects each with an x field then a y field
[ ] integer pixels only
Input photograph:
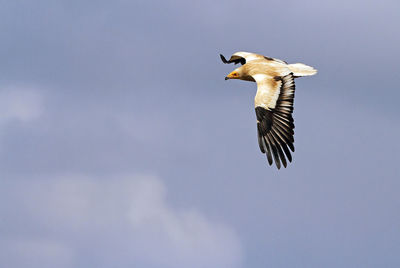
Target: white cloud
[
  {"x": 124, "y": 221},
  {"x": 16, "y": 103}
]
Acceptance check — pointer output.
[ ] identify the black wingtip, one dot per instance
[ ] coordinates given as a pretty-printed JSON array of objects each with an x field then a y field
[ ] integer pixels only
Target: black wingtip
[{"x": 223, "y": 58}]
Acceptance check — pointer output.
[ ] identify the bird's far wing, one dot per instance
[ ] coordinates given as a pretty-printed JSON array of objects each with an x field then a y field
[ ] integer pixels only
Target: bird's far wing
[
  {"x": 277, "y": 60},
  {"x": 274, "y": 108},
  {"x": 233, "y": 59}
]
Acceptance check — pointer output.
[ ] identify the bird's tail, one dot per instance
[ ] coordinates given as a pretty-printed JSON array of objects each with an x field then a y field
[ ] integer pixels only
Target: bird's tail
[{"x": 300, "y": 69}]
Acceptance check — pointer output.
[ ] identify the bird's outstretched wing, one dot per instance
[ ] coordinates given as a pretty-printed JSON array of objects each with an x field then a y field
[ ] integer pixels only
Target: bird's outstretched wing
[{"x": 274, "y": 108}]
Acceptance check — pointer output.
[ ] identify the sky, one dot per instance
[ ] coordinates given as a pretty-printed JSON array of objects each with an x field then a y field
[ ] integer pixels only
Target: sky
[{"x": 121, "y": 144}]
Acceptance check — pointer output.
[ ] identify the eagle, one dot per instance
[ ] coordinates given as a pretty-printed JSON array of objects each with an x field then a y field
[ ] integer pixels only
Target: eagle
[{"x": 273, "y": 101}]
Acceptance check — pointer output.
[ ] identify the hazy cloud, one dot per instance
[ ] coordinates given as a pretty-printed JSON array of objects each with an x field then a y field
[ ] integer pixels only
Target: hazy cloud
[
  {"x": 127, "y": 217},
  {"x": 20, "y": 103}
]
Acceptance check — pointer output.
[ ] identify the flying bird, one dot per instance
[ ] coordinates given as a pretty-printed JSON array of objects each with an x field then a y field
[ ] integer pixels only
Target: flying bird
[{"x": 273, "y": 101}]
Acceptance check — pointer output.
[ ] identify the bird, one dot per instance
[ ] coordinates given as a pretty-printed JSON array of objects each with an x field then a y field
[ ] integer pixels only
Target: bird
[{"x": 273, "y": 101}]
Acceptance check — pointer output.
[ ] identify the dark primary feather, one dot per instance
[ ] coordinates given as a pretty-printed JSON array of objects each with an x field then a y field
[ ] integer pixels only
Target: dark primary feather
[
  {"x": 223, "y": 59},
  {"x": 275, "y": 127},
  {"x": 233, "y": 59}
]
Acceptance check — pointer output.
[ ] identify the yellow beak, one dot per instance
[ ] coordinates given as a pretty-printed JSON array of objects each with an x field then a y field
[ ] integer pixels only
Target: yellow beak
[{"x": 232, "y": 75}]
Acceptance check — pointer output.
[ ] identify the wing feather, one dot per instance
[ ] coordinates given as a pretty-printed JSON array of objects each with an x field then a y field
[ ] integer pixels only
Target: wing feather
[
  {"x": 274, "y": 150},
  {"x": 233, "y": 59}
]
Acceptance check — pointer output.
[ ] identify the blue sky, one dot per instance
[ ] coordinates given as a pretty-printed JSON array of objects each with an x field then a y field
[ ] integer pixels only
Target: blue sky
[{"x": 121, "y": 145}]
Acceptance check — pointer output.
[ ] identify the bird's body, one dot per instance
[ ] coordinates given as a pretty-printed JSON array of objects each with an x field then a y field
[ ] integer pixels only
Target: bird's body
[{"x": 273, "y": 101}]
